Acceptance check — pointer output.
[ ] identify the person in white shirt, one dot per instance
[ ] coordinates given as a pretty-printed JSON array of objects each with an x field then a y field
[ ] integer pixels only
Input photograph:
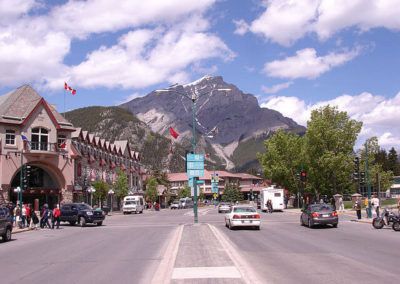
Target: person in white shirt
[{"x": 375, "y": 204}]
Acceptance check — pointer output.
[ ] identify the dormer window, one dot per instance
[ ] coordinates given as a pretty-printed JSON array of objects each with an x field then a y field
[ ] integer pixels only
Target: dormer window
[{"x": 10, "y": 137}]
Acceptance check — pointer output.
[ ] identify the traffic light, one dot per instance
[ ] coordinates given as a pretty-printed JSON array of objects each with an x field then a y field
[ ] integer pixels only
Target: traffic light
[
  {"x": 303, "y": 176},
  {"x": 356, "y": 172},
  {"x": 26, "y": 173},
  {"x": 362, "y": 177}
]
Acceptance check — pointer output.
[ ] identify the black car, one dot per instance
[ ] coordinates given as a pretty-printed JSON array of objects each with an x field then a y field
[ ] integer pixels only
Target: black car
[
  {"x": 82, "y": 214},
  {"x": 5, "y": 224},
  {"x": 319, "y": 214}
]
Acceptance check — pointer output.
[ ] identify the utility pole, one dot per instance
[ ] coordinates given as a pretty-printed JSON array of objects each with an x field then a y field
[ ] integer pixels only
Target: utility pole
[{"x": 367, "y": 180}]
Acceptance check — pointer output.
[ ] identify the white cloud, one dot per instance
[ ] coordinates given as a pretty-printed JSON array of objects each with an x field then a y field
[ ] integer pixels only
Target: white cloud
[
  {"x": 380, "y": 116},
  {"x": 276, "y": 88},
  {"x": 306, "y": 64},
  {"x": 241, "y": 27},
  {"x": 162, "y": 40},
  {"x": 286, "y": 21}
]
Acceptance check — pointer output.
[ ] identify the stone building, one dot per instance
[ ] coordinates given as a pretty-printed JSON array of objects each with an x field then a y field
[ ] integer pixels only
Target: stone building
[{"x": 59, "y": 161}]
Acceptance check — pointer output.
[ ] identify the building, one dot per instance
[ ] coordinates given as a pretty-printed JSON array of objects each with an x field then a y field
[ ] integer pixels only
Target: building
[
  {"x": 395, "y": 188},
  {"x": 249, "y": 185},
  {"x": 59, "y": 161}
]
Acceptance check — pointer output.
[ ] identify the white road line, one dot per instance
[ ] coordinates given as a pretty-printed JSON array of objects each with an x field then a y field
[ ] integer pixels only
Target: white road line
[
  {"x": 248, "y": 273},
  {"x": 205, "y": 272},
  {"x": 166, "y": 267}
]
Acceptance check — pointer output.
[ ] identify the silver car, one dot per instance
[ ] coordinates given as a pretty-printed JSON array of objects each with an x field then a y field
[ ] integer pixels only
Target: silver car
[{"x": 224, "y": 207}]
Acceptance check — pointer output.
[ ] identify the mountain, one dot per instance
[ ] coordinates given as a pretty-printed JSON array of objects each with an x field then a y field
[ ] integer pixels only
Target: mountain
[
  {"x": 114, "y": 123},
  {"x": 230, "y": 124}
]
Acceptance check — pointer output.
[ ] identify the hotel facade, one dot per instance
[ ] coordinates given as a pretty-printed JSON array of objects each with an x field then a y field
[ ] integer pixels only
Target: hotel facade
[{"x": 60, "y": 161}]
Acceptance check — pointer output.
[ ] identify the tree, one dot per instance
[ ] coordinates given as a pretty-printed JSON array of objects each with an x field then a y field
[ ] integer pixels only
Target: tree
[
  {"x": 101, "y": 191},
  {"x": 393, "y": 163},
  {"x": 329, "y": 143},
  {"x": 232, "y": 193},
  {"x": 185, "y": 192},
  {"x": 121, "y": 185},
  {"x": 151, "y": 190},
  {"x": 283, "y": 158}
]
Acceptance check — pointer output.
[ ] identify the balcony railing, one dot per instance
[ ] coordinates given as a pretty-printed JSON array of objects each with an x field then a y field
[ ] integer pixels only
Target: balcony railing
[{"x": 42, "y": 146}]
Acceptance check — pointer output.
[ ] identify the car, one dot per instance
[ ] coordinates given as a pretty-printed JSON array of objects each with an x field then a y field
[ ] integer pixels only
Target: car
[
  {"x": 5, "y": 224},
  {"x": 133, "y": 203},
  {"x": 224, "y": 207},
  {"x": 319, "y": 214},
  {"x": 175, "y": 204},
  {"x": 82, "y": 214},
  {"x": 243, "y": 216}
]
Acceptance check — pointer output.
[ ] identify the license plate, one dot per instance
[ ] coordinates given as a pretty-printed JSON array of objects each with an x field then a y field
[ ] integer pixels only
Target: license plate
[
  {"x": 325, "y": 215},
  {"x": 247, "y": 221}
]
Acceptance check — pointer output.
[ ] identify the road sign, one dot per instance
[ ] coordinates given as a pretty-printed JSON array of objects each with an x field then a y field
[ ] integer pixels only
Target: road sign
[
  {"x": 214, "y": 187},
  {"x": 195, "y": 165},
  {"x": 215, "y": 195}
]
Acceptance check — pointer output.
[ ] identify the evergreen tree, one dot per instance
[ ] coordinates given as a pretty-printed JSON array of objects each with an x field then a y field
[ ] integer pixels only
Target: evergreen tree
[
  {"x": 151, "y": 190},
  {"x": 232, "y": 193},
  {"x": 393, "y": 163},
  {"x": 121, "y": 185}
]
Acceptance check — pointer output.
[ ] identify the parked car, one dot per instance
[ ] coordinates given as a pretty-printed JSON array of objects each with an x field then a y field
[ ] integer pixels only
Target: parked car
[
  {"x": 186, "y": 202},
  {"x": 175, "y": 204},
  {"x": 224, "y": 207},
  {"x": 243, "y": 216},
  {"x": 82, "y": 214},
  {"x": 5, "y": 224},
  {"x": 319, "y": 214}
]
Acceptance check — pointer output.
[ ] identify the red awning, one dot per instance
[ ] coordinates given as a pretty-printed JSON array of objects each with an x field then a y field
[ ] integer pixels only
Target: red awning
[{"x": 112, "y": 165}]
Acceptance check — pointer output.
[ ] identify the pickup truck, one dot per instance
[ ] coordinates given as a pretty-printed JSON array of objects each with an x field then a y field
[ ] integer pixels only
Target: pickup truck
[
  {"x": 82, "y": 214},
  {"x": 5, "y": 224}
]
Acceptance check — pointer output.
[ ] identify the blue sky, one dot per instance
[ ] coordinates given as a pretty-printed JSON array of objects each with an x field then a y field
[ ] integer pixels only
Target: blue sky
[{"x": 295, "y": 56}]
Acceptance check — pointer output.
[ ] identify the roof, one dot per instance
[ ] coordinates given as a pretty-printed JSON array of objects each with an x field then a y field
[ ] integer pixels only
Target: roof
[
  {"x": 247, "y": 176},
  {"x": 17, "y": 106}
]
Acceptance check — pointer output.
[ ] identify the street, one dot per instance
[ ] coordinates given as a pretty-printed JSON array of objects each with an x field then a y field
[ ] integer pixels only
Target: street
[{"x": 165, "y": 246}]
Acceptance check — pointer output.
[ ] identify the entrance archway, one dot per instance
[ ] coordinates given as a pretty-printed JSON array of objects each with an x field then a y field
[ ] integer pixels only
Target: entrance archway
[{"x": 43, "y": 186}]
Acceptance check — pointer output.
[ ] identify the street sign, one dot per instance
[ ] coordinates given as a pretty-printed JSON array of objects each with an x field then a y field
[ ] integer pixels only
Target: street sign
[
  {"x": 195, "y": 165},
  {"x": 215, "y": 195}
]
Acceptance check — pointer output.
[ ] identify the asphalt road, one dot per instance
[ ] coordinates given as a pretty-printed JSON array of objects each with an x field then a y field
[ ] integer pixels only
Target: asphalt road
[{"x": 129, "y": 249}]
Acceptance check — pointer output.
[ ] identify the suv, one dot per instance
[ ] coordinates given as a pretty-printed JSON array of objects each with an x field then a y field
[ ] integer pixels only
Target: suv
[
  {"x": 82, "y": 214},
  {"x": 5, "y": 224}
]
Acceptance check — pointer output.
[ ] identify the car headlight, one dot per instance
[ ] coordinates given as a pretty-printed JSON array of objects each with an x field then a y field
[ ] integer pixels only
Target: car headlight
[{"x": 89, "y": 213}]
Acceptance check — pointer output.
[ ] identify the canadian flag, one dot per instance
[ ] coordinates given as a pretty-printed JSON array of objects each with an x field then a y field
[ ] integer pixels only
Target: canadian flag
[
  {"x": 63, "y": 145},
  {"x": 173, "y": 133},
  {"x": 69, "y": 88}
]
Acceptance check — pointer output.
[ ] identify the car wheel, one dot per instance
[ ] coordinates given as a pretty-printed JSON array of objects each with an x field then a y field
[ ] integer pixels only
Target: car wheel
[
  {"x": 230, "y": 225},
  {"x": 99, "y": 223},
  {"x": 124, "y": 213},
  {"x": 335, "y": 225},
  {"x": 7, "y": 235},
  {"x": 310, "y": 224},
  {"x": 82, "y": 221},
  {"x": 72, "y": 223}
]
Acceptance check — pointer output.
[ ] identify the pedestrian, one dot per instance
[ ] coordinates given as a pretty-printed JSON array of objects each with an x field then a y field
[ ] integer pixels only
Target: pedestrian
[
  {"x": 44, "y": 217},
  {"x": 35, "y": 220},
  {"x": 341, "y": 204},
  {"x": 56, "y": 216},
  {"x": 366, "y": 204},
  {"x": 269, "y": 205},
  {"x": 28, "y": 215},
  {"x": 375, "y": 204},
  {"x": 17, "y": 216},
  {"x": 357, "y": 207},
  {"x": 23, "y": 215}
]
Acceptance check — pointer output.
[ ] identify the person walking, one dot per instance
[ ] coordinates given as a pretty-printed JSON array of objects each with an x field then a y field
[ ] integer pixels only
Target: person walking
[
  {"x": 44, "y": 217},
  {"x": 341, "y": 204},
  {"x": 35, "y": 220},
  {"x": 56, "y": 216},
  {"x": 357, "y": 207},
  {"x": 23, "y": 215},
  {"x": 28, "y": 215},
  {"x": 17, "y": 216},
  {"x": 375, "y": 204},
  {"x": 366, "y": 204},
  {"x": 269, "y": 205}
]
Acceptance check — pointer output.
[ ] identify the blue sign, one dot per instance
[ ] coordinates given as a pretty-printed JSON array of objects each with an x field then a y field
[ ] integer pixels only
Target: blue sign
[
  {"x": 195, "y": 165},
  {"x": 214, "y": 187}
]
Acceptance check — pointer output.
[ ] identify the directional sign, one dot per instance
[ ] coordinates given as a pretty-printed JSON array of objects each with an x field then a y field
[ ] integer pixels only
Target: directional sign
[
  {"x": 195, "y": 165},
  {"x": 214, "y": 187}
]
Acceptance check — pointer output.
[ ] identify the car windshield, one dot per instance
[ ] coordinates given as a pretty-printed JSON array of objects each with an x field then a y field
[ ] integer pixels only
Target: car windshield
[
  {"x": 85, "y": 207},
  {"x": 243, "y": 209},
  {"x": 321, "y": 207},
  {"x": 175, "y": 202}
]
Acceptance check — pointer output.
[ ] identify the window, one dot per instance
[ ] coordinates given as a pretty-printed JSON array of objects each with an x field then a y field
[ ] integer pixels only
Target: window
[
  {"x": 60, "y": 140},
  {"x": 10, "y": 137},
  {"x": 40, "y": 139}
]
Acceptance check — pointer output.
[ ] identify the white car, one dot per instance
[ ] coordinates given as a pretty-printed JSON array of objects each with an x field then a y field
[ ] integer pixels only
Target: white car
[{"x": 243, "y": 216}]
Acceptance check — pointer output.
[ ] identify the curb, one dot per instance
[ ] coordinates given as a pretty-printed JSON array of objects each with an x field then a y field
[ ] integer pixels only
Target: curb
[{"x": 21, "y": 230}]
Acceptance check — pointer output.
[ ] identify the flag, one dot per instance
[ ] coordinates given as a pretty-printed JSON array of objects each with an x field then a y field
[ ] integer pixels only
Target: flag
[
  {"x": 69, "y": 88},
  {"x": 173, "y": 133},
  {"x": 63, "y": 145},
  {"x": 24, "y": 138}
]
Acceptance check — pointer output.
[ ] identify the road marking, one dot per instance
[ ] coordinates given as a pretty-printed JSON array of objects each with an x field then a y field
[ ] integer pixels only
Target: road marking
[
  {"x": 166, "y": 267},
  {"x": 205, "y": 272},
  {"x": 245, "y": 269}
]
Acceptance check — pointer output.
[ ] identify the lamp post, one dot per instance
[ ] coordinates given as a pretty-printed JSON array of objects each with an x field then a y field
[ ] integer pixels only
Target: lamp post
[
  {"x": 111, "y": 194},
  {"x": 194, "y": 97},
  {"x": 367, "y": 180},
  {"x": 91, "y": 190}
]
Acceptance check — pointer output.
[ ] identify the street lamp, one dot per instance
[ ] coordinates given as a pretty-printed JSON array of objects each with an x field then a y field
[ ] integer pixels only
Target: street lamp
[
  {"x": 194, "y": 97},
  {"x": 111, "y": 194},
  {"x": 91, "y": 190}
]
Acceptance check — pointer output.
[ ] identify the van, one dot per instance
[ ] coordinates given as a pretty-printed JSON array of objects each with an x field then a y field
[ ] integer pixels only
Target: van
[
  {"x": 186, "y": 202},
  {"x": 133, "y": 203},
  {"x": 276, "y": 195}
]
